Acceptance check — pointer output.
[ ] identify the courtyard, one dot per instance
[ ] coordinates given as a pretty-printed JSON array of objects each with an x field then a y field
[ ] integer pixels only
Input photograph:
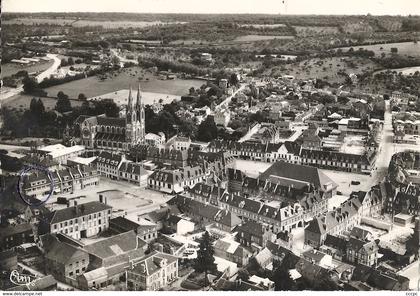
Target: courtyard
[{"x": 127, "y": 199}]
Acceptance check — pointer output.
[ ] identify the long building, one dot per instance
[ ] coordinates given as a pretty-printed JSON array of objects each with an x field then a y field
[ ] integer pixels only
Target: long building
[{"x": 64, "y": 180}]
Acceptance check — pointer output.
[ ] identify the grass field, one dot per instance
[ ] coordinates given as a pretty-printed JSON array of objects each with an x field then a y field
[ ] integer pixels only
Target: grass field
[
  {"x": 404, "y": 48},
  {"x": 326, "y": 68},
  {"x": 403, "y": 71},
  {"x": 81, "y": 23},
  {"x": 260, "y": 26},
  {"x": 252, "y": 38},
  {"x": 21, "y": 102},
  {"x": 303, "y": 31},
  {"x": 93, "y": 86},
  {"x": 11, "y": 68}
]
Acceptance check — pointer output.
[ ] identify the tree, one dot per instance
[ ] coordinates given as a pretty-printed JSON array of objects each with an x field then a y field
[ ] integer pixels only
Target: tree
[
  {"x": 205, "y": 257},
  {"x": 82, "y": 97},
  {"x": 63, "y": 103},
  {"x": 233, "y": 79},
  {"x": 283, "y": 281},
  {"x": 207, "y": 131},
  {"x": 30, "y": 86}
]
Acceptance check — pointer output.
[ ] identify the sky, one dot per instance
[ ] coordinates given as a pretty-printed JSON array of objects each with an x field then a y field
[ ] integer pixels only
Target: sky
[{"x": 374, "y": 7}]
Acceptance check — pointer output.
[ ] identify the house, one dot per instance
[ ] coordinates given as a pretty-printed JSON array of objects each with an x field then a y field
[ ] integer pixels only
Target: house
[
  {"x": 64, "y": 180},
  {"x": 380, "y": 279},
  {"x": 152, "y": 273},
  {"x": 334, "y": 246},
  {"x": 60, "y": 153},
  {"x": 146, "y": 232},
  {"x": 12, "y": 236},
  {"x": 108, "y": 163},
  {"x": 79, "y": 221},
  {"x": 133, "y": 173},
  {"x": 267, "y": 284},
  {"x": 337, "y": 160},
  {"x": 204, "y": 213},
  {"x": 334, "y": 222},
  {"x": 254, "y": 234},
  {"x": 265, "y": 258},
  {"x": 158, "y": 217},
  {"x": 179, "y": 143},
  {"x": 180, "y": 225},
  {"x": 362, "y": 252},
  {"x": 238, "y": 285},
  {"x": 312, "y": 272},
  {"x": 222, "y": 117},
  {"x": 64, "y": 261},
  {"x": 155, "y": 140},
  {"x": 232, "y": 251},
  {"x": 317, "y": 257},
  {"x": 174, "y": 181},
  {"x": 115, "y": 249}
]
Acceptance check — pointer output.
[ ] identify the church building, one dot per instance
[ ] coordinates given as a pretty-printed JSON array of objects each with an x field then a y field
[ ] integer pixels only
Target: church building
[{"x": 117, "y": 134}]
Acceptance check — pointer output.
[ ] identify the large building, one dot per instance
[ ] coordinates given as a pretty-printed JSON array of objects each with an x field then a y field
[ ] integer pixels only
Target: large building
[
  {"x": 79, "y": 221},
  {"x": 117, "y": 134},
  {"x": 154, "y": 272}
]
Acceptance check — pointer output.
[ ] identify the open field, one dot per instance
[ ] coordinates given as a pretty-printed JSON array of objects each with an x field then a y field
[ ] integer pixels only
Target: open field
[
  {"x": 93, "y": 86},
  {"x": 312, "y": 30},
  {"x": 403, "y": 71},
  {"x": 252, "y": 38},
  {"x": 325, "y": 68},
  {"x": 404, "y": 48},
  {"x": 121, "y": 97},
  {"x": 21, "y": 102},
  {"x": 11, "y": 68},
  {"x": 83, "y": 23},
  {"x": 260, "y": 26}
]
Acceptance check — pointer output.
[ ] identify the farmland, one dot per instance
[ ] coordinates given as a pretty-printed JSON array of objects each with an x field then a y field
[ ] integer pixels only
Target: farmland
[
  {"x": 404, "y": 48},
  {"x": 21, "y": 102},
  {"x": 82, "y": 23},
  {"x": 253, "y": 38},
  {"x": 303, "y": 31},
  {"x": 325, "y": 68},
  {"x": 10, "y": 69}
]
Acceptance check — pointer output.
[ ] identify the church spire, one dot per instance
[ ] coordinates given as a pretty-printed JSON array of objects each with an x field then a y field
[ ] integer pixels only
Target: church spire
[
  {"x": 139, "y": 102},
  {"x": 130, "y": 98}
]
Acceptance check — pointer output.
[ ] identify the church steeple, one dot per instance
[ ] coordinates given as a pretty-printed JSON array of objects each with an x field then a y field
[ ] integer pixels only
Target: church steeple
[{"x": 139, "y": 97}]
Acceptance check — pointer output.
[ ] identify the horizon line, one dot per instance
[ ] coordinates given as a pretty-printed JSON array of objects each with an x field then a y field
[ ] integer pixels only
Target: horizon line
[{"x": 220, "y": 13}]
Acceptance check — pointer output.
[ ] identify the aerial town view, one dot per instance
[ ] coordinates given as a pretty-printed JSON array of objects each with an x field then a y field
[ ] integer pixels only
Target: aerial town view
[{"x": 177, "y": 145}]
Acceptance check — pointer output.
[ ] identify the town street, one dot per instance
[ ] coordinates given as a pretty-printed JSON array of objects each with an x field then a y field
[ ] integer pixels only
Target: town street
[
  {"x": 229, "y": 98},
  {"x": 386, "y": 147}
]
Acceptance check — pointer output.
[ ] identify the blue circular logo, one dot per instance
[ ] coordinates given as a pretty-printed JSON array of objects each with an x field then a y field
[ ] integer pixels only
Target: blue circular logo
[{"x": 36, "y": 199}]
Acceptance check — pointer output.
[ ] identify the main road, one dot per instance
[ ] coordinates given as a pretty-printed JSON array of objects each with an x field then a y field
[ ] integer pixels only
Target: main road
[{"x": 39, "y": 78}]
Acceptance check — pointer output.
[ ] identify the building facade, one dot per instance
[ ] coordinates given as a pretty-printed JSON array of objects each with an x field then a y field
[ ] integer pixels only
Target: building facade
[{"x": 116, "y": 134}]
